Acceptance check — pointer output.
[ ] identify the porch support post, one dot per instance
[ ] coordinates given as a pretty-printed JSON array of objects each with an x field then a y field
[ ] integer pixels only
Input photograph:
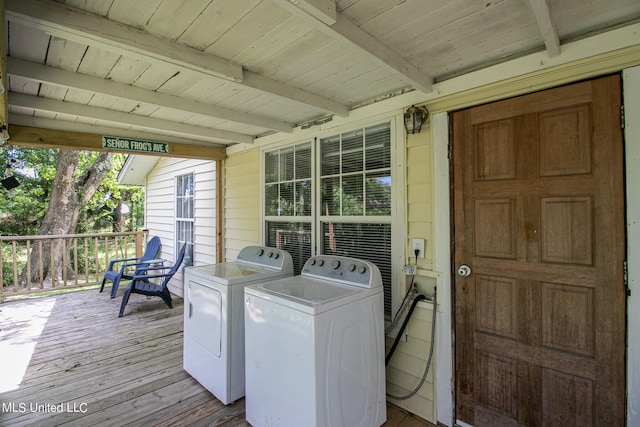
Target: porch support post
[
  {"x": 4, "y": 114},
  {"x": 219, "y": 206},
  {"x": 139, "y": 236}
]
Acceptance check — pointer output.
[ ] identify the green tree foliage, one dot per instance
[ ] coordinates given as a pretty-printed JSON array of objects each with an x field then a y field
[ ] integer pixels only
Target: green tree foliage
[{"x": 23, "y": 208}]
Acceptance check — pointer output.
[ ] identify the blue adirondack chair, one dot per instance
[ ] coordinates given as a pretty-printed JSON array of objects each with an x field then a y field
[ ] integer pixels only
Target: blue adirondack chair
[
  {"x": 130, "y": 266},
  {"x": 141, "y": 284}
]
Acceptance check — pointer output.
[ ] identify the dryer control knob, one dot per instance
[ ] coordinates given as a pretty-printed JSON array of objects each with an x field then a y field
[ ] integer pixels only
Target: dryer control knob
[
  {"x": 313, "y": 261},
  {"x": 276, "y": 255},
  {"x": 351, "y": 267},
  {"x": 362, "y": 269},
  {"x": 270, "y": 255},
  {"x": 260, "y": 252},
  {"x": 335, "y": 264},
  {"x": 320, "y": 262}
]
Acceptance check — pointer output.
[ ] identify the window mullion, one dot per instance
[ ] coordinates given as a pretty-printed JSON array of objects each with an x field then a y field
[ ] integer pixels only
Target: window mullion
[
  {"x": 340, "y": 169},
  {"x": 364, "y": 173}
]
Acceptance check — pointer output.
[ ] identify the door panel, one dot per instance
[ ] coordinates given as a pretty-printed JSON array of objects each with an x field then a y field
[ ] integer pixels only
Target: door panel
[
  {"x": 539, "y": 218},
  {"x": 204, "y": 320}
]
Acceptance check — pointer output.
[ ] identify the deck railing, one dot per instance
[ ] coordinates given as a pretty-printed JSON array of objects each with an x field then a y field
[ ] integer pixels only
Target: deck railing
[{"x": 85, "y": 255}]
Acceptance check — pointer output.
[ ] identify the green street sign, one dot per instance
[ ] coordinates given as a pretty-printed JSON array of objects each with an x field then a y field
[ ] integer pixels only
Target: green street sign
[{"x": 137, "y": 145}]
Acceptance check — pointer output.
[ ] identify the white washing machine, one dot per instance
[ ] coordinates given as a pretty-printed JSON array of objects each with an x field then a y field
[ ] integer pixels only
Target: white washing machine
[
  {"x": 314, "y": 347},
  {"x": 214, "y": 320}
]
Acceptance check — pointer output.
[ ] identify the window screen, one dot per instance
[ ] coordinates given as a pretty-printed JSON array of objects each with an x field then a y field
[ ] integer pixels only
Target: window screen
[
  {"x": 288, "y": 181},
  {"x": 356, "y": 173}
]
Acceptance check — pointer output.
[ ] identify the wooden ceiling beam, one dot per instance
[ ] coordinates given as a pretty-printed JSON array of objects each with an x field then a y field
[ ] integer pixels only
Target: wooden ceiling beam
[
  {"x": 103, "y": 114},
  {"x": 315, "y": 13},
  {"x": 546, "y": 26},
  {"x": 67, "y": 79},
  {"x": 64, "y": 125},
  {"x": 323, "y": 10},
  {"x": 49, "y": 138},
  {"x": 86, "y": 28}
]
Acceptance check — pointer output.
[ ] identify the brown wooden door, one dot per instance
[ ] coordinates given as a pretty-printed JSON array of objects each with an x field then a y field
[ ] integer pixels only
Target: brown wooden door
[{"x": 539, "y": 218}]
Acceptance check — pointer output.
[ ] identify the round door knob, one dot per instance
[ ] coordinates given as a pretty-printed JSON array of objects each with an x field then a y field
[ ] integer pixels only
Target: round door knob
[{"x": 464, "y": 270}]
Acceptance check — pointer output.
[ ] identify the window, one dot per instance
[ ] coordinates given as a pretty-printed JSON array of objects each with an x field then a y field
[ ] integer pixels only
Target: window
[
  {"x": 355, "y": 205},
  {"x": 288, "y": 195},
  {"x": 351, "y": 182},
  {"x": 184, "y": 216}
]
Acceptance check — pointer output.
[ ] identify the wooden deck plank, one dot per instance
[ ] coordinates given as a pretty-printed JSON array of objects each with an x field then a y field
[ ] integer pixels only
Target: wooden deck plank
[
  {"x": 113, "y": 371},
  {"x": 96, "y": 357},
  {"x": 56, "y": 352},
  {"x": 57, "y": 327},
  {"x": 224, "y": 415},
  {"x": 84, "y": 386},
  {"x": 187, "y": 412},
  {"x": 137, "y": 406}
]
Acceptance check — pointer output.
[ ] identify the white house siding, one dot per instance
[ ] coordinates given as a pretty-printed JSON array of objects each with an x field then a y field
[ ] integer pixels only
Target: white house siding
[
  {"x": 241, "y": 202},
  {"x": 419, "y": 166},
  {"x": 160, "y": 210},
  {"x": 408, "y": 363}
]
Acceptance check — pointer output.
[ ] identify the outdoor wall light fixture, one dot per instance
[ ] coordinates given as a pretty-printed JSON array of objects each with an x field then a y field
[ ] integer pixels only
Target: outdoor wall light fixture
[{"x": 414, "y": 118}]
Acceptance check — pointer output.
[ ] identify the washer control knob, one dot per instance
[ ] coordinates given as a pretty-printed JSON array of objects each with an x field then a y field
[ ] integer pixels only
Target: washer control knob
[
  {"x": 260, "y": 252},
  {"x": 335, "y": 264},
  {"x": 362, "y": 269},
  {"x": 270, "y": 255},
  {"x": 313, "y": 261},
  {"x": 320, "y": 262},
  {"x": 351, "y": 267},
  {"x": 276, "y": 255}
]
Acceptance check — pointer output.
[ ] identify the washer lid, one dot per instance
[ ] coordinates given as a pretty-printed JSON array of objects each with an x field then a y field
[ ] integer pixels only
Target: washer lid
[{"x": 307, "y": 291}]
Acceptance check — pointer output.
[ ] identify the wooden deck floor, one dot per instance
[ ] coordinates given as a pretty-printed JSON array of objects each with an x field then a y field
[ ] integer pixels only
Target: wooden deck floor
[{"x": 69, "y": 360}]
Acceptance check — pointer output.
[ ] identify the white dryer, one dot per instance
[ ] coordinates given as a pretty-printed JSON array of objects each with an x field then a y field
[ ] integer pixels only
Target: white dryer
[
  {"x": 214, "y": 320},
  {"x": 314, "y": 347}
]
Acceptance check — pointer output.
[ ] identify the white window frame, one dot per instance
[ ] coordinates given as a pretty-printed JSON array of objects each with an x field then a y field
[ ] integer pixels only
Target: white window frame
[
  {"x": 188, "y": 261},
  {"x": 275, "y": 218},
  {"x": 398, "y": 192}
]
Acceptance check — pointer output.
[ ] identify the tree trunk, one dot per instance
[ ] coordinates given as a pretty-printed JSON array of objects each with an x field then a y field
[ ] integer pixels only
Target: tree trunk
[{"x": 68, "y": 194}]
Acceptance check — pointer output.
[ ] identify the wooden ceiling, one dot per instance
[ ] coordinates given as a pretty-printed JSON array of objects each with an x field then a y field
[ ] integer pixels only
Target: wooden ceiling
[{"x": 220, "y": 72}]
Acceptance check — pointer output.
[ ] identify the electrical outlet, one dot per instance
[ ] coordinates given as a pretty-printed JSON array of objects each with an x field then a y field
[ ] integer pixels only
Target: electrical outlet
[{"x": 417, "y": 244}]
